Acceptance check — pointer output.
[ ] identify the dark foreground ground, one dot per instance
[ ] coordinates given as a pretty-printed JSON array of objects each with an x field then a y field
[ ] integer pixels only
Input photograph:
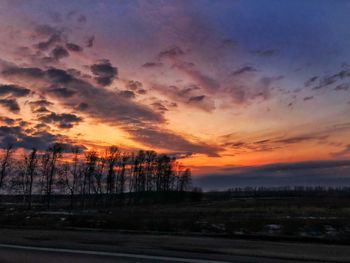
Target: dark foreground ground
[
  {"x": 214, "y": 228},
  {"x": 311, "y": 218},
  {"x": 27, "y": 246}
]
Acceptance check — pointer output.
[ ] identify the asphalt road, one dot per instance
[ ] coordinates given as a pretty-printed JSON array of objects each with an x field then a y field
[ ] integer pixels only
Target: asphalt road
[
  {"x": 39, "y": 246},
  {"x": 29, "y": 254}
]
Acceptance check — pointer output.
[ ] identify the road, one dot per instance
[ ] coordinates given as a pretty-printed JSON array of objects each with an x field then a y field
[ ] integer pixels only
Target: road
[
  {"x": 29, "y": 254},
  {"x": 39, "y": 246}
]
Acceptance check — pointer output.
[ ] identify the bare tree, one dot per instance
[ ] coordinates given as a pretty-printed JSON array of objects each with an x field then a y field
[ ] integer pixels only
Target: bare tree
[
  {"x": 55, "y": 153},
  {"x": 90, "y": 178},
  {"x": 150, "y": 168},
  {"x": 31, "y": 162},
  {"x": 71, "y": 175},
  {"x": 17, "y": 182},
  {"x": 5, "y": 164},
  {"x": 44, "y": 164},
  {"x": 112, "y": 159},
  {"x": 122, "y": 175},
  {"x": 185, "y": 180},
  {"x": 99, "y": 174},
  {"x": 91, "y": 159}
]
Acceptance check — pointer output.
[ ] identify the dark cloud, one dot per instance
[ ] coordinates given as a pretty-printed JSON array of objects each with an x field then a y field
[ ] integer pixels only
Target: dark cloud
[
  {"x": 243, "y": 70},
  {"x": 141, "y": 122},
  {"x": 53, "y": 35},
  {"x": 243, "y": 92},
  {"x": 206, "y": 82},
  {"x": 184, "y": 95},
  {"x": 187, "y": 95},
  {"x": 82, "y": 106},
  {"x": 41, "y": 109},
  {"x": 267, "y": 81},
  {"x": 40, "y": 103},
  {"x": 236, "y": 145},
  {"x": 24, "y": 72},
  {"x": 129, "y": 94},
  {"x": 59, "y": 76},
  {"x": 159, "y": 106},
  {"x": 104, "y": 72},
  {"x": 186, "y": 91},
  {"x": 8, "y": 135},
  {"x": 104, "y": 105},
  {"x": 62, "y": 92},
  {"x": 133, "y": 85},
  {"x": 160, "y": 138},
  {"x": 7, "y": 120},
  {"x": 41, "y": 140},
  {"x": 74, "y": 47},
  {"x": 46, "y": 30},
  {"x": 44, "y": 45},
  {"x": 255, "y": 146},
  {"x": 196, "y": 98},
  {"x": 63, "y": 121},
  {"x": 90, "y": 41},
  {"x": 302, "y": 138},
  {"x": 142, "y": 91},
  {"x": 49, "y": 43},
  {"x": 328, "y": 80},
  {"x": 13, "y": 90},
  {"x": 343, "y": 153},
  {"x": 308, "y": 98},
  {"x": 74, "y": 72},
  {"x": 152, "y": 64},
  {"x": 10, "y": 104},
  {"x": 171, "y": 52},
  {"x": 59, "y": 52},
  {"x": 311, "y": 173},
  {"x": 343, "y": 86},
  {"x": 270, "y": 144},
  {"x": 310, "y": 81}
]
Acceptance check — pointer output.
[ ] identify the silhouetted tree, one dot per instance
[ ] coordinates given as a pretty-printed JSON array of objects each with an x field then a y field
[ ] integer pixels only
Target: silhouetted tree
[
  {"x": 54, "y": 154},
  {"x": 5, "y": 164},
  {"x": 44, "y": 163},
  {"x": 121, "y": 178},
  {"x": 94, "y": 178},
  {"x": 31, "y": 162},
  {"x": 185, "y": 180},
  {"x": 113, "y": 154},
  {"x": 72, "y": 175},
  {"x": 90, "y": 169},
  {"x": 150, "y": 169}
]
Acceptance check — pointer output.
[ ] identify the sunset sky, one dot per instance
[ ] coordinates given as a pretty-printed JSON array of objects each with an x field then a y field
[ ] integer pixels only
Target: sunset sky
[{"x": 230, "y": 87}]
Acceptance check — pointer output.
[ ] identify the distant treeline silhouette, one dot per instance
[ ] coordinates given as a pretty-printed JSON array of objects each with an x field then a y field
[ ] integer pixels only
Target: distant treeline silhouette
[
  {"x": 89, "y": 175},
  {"x": 280, "y": 192}
]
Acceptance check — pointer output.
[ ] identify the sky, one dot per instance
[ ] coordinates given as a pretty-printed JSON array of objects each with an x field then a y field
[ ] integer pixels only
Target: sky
[{"x": 243, "y": 92}]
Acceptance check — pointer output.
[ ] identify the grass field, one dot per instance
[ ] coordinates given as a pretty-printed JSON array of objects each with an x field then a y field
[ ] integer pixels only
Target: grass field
[{"x": 314, "y": 218}]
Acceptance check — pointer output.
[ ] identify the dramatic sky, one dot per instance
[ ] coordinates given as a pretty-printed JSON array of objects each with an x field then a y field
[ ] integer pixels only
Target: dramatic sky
[{"x": 234, "y": 88}]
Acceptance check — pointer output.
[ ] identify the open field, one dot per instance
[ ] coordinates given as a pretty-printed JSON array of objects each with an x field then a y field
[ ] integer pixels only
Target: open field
[{"x": 316, "y": 219}]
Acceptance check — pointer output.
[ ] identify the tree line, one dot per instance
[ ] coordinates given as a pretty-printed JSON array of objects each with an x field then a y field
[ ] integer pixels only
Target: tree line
[{"x": 87, "y": 175}]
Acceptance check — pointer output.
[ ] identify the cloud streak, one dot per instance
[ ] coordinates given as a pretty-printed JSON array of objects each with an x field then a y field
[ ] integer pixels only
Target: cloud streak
[{"x": 309, "y": 173}]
